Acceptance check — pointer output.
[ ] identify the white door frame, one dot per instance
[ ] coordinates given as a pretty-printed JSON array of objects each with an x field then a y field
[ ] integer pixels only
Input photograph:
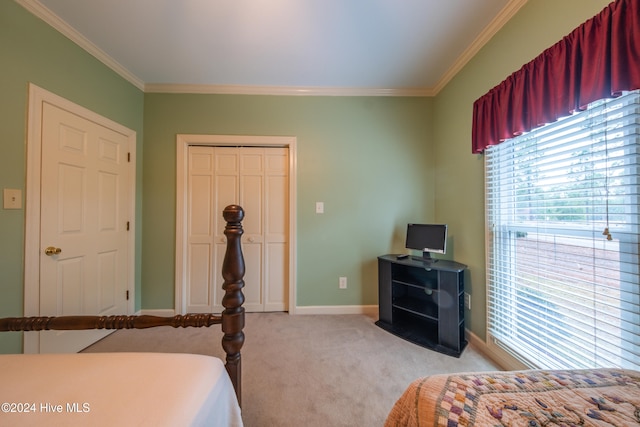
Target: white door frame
[
  {"x": 38, "y": 96},
  {"x": 183, "y": 141}
]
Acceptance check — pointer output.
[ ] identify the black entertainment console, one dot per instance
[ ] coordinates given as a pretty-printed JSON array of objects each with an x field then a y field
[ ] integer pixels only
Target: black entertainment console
[{"x": 422, "y": 301}]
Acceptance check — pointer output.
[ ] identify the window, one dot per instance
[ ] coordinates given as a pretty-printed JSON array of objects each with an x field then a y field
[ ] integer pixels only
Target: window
[{"x": 563, "y": 240}]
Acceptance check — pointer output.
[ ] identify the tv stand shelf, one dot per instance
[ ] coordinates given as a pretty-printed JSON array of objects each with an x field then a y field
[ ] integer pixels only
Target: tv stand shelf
[
  {"x": 422, "y": 301},
  {"x": 417, "y": 307}
]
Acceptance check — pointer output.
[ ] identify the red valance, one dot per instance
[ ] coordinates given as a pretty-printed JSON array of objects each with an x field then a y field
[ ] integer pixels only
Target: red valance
[{"x": 599, "y": 59}]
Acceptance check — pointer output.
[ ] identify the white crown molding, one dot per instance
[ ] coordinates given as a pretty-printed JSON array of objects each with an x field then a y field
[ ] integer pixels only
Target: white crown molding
[
  {"x": 42, "y": 12},
  {"x": 281, "y": 90},
  {"x": 483, "y": 38}
]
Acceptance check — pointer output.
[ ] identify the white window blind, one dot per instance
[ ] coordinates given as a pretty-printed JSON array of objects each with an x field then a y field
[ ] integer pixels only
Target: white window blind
[{"x": 563, "y": 240}]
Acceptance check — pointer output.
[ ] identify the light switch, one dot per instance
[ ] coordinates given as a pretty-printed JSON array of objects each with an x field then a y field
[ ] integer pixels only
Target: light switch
[
  {"x": 12, "y": 198},
  {"x": 319, "y": 207}
]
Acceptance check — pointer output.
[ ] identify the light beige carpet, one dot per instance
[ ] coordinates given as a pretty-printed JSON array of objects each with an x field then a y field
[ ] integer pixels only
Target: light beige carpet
[{"x": 311, "y": 370}]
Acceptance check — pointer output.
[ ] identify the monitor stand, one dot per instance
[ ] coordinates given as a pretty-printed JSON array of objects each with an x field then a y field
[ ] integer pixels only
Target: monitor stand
[{"x": 426, "y": 258}]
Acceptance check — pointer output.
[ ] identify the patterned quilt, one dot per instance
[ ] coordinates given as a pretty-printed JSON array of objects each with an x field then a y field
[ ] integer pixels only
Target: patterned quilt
[{"x": 604, "y": 397}]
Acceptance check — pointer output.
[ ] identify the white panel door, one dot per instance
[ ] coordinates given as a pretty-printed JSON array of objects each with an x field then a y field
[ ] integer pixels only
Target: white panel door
[
  {"x": 276, "y": 227},
  {"x": 245, "y": 176},
  {"x": 200, "y": 229},
  {"x": 84, "y": 205},
  {"x": 251, "y": 198},
  {"x": 225, "y": 193},
  {"x": 212, "y": 182}
]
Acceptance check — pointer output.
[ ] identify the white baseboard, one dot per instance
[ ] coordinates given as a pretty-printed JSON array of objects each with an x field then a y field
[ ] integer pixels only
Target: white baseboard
[
  {"x": 498, "y": 356},
  {"x": 167, "y": 312},
  {"x": 369, "y": 310}
]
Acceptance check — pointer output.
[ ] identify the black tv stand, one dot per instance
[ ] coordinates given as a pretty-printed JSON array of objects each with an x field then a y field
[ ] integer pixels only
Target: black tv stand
[
  {"x": 426, "y": 260},
  {"x": 422, "y": 301}
]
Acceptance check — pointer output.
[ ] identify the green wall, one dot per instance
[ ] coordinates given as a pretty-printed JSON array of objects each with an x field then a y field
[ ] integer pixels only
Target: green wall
[
  {"x": 377, "y": 163},
  {"x": 368, "y": 159},
  {"x": 32, "y": 51},
  {"x": 460, "y": 174}
]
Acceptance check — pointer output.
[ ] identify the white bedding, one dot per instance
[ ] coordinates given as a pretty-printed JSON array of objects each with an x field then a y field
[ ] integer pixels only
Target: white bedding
[{"x": 116, "y": 389}]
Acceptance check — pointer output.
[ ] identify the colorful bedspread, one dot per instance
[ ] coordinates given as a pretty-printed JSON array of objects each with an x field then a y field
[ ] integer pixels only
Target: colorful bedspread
[{"x": 604, "y": 397}]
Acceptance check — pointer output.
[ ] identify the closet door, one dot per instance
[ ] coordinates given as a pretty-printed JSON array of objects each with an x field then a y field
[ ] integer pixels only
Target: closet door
[
  {"x": 252, "y": 198},
  {"x": 208, "y": 185},
  {"x": 276, "y": 229},
  {"x": 226, "y": 188},
  {"x": 257, "y": 179}
]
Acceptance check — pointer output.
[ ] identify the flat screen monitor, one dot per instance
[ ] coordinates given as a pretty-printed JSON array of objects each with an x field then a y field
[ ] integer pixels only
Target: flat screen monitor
[{"x": 427, "y": 238}]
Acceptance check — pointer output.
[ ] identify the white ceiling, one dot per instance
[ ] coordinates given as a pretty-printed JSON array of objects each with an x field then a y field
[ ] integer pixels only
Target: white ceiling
[{"x": 408, "y": 47}]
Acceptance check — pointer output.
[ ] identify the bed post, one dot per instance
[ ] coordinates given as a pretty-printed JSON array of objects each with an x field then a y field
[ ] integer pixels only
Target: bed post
[{"x": 233, "y": 314}]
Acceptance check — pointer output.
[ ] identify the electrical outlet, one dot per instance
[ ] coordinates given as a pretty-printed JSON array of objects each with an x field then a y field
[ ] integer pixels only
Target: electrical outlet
[
  {"x": 343, "y": 283},
  {"x": 319, "y": 207},
  {"x": 12, "y": 198},
  {"x": 467, "y": 301}
]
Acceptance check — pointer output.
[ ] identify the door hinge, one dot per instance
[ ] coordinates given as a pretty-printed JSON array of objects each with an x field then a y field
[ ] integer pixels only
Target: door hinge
[
  {"x": 129, "y": 157},
  {"x": 127, "y": 225},
  {"x": 127, "y": 295}
]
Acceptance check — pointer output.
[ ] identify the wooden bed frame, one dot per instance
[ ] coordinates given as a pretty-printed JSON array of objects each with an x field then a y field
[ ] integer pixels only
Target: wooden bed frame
[{"x": 231, "y": 319}]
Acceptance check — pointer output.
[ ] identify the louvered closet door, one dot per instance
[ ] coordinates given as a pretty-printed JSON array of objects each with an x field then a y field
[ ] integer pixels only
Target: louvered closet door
[{"x": 255, "y": 178}]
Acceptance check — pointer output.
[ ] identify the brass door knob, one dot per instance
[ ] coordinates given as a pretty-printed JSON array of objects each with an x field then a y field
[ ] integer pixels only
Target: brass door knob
[{"x": 50, "y": 251}]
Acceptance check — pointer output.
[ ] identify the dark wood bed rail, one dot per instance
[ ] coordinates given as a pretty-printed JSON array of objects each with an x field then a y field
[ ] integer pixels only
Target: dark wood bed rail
[
  {"x": 231, "y": 318},
  {"x": 74, "y": 323}
]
